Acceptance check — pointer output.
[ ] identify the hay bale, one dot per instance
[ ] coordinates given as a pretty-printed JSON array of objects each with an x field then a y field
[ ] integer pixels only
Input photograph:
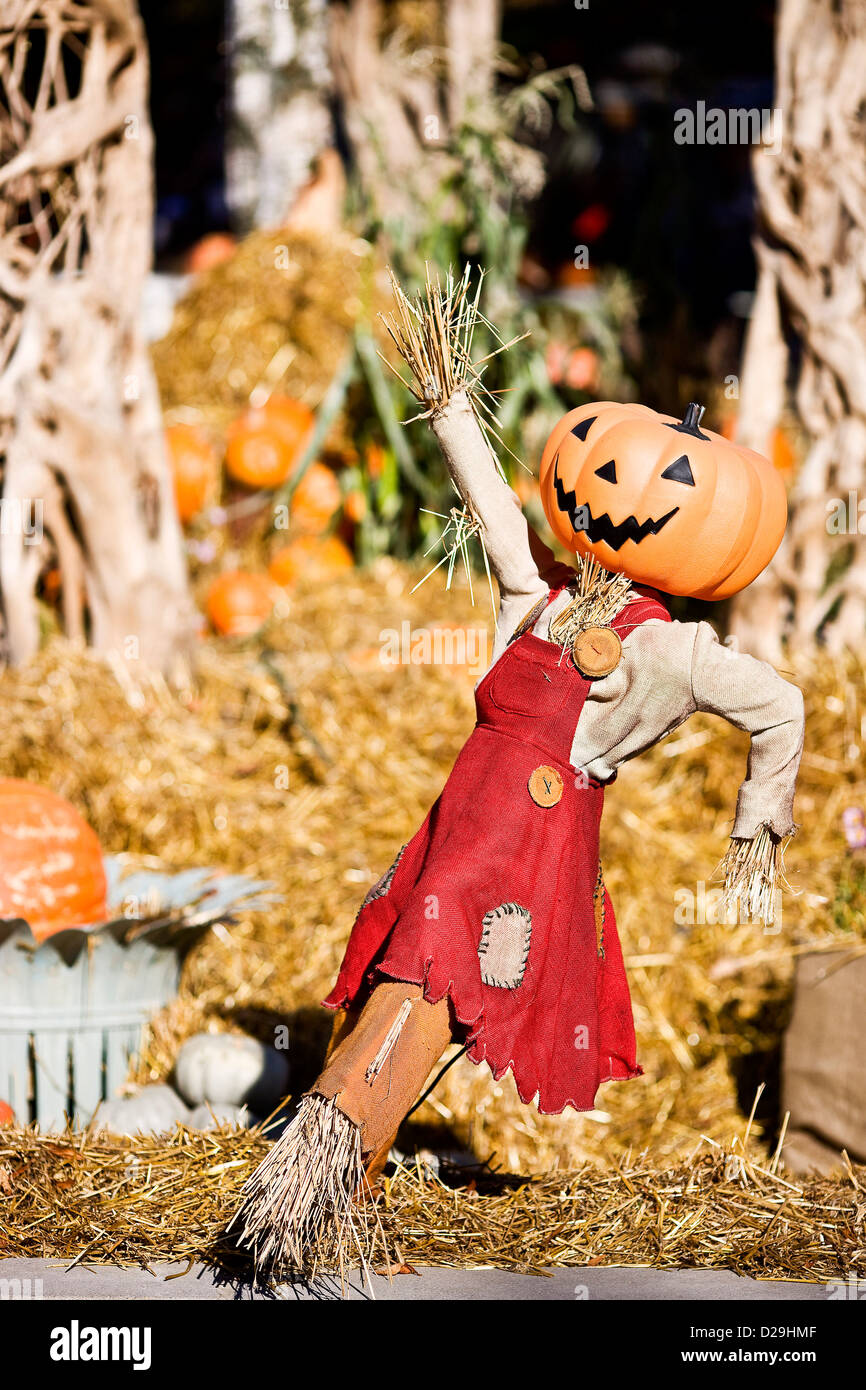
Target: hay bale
[
  {"x": 313, "y": 780},
  {"x": 278, "y": 316}
]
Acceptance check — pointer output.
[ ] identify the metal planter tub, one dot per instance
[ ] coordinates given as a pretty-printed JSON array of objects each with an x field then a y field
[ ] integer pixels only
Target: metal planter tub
[{"x": 72, "y": 1008}]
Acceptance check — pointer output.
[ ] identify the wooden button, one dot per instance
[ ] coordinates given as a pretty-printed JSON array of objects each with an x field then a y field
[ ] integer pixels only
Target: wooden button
[
  {"x": 597, "y": 651},
  {"x": 545, "y": 786}
]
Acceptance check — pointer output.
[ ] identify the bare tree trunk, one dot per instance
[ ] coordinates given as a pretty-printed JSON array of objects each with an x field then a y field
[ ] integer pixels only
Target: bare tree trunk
[
  {"x": 472, "y": 33},
  {"x": 280, "y": 105},
  {"x": 812, "y": 276},
  {"x": 394, "y": 113},
  {"x": 402, "y": 104},
  {"x": 80, "y": 420}
]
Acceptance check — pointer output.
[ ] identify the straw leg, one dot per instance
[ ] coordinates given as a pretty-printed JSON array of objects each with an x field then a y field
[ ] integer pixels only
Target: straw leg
[
  {"x": 377, "y": 1070},
  {"x": 376, "y": 1165},
  {"x": 299, "y": 1207},
  {"x": 344, "y": 1022}
]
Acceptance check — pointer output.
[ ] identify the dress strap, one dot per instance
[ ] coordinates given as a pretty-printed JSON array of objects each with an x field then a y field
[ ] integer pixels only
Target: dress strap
[{"x": 640, "y": 610}]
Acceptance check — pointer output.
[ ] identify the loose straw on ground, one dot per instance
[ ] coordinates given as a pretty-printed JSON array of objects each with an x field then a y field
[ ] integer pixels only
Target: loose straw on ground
[
  {"x": 190, "y": 777},
  {"x": 95, "y": 1201}
]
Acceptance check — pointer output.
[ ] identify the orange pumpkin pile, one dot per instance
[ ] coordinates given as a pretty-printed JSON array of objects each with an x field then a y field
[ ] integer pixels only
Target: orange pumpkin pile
[
  {"x": 316, "y": 557},
  {"x": 263, "y": 448},
  {"x": 51, "y": 869},
  {"x": 7, "y": 1114},
  {"x": 265, "y": 442},
  {"x": 194, "y": 467},
  {"x": 239, "y": 602}
]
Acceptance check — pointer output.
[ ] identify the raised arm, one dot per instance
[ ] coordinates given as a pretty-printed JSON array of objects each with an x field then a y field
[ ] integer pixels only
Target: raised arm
[{"x": 518, "y": 557}]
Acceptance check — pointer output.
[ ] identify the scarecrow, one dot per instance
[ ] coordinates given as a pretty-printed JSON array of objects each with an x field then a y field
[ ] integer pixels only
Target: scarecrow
[{"x": 493, "y": 926}]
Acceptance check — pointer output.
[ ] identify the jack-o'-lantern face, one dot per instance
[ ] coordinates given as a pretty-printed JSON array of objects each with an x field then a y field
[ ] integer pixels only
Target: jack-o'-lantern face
[{"x": 667, "y": 503}]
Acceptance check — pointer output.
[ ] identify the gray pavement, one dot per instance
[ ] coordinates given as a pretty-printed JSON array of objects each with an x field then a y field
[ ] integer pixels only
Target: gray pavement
[{"x": 49, "y": 1281}]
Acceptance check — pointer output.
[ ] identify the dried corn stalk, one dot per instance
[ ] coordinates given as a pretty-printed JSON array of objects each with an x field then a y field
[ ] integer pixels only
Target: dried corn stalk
[
  {"x": 80, "y": 423},
  {"x": 811, "y": 251}
]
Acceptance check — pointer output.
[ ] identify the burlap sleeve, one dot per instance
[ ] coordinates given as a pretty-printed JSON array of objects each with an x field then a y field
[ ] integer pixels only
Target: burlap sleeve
[
  {"x": 520, "y": 561},
  {"x": 752, "y": 696}
]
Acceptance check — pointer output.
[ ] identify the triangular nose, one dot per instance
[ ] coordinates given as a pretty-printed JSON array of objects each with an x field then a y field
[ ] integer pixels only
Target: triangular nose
[{"x": 607, "y": 471}]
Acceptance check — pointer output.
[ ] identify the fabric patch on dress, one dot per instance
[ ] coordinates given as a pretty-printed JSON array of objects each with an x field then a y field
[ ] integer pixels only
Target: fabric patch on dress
[
  {"x": 504, "y": 946},
  {"x": 598, "y": 911},
  {"x": 380, "y": 888}
]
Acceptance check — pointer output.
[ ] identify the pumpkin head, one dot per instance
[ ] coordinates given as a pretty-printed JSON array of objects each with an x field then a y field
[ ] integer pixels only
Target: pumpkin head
[
  {"x": 7, "y": 1114},
  {"x": 51, "y": 869},
  {"x": 310, "y": 557},
  {"x": 664, "y": 501},
  {"x": 239, "y": 602},
  {"x": 194, "y": 467},
  {"x": 265, "y": 442}
]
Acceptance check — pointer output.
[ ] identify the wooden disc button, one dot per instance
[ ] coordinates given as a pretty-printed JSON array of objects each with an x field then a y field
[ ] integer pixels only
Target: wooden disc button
[
  {"x": 545, "y": 786},
  {"x": 597, "y": 651}
]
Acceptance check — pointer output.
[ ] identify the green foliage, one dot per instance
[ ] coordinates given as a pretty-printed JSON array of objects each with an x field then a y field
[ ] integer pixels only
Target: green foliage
[
  {"x": 479, "y": 213},
  {"x": 849, "y": 905}
]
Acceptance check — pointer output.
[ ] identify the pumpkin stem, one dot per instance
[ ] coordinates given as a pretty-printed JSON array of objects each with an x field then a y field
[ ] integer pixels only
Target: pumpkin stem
[{"x": 691, "y": 421}]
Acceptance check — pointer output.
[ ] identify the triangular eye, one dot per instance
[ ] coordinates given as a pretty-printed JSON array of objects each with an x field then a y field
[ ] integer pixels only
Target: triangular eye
[
  {"x": 582, "y": 430},
  {"x": 607, "y": 471},
  {"x": 680, "y": 471}
]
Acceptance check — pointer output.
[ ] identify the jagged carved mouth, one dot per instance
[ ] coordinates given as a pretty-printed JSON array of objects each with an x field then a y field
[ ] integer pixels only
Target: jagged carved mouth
[{"x": 601, "y": 528}]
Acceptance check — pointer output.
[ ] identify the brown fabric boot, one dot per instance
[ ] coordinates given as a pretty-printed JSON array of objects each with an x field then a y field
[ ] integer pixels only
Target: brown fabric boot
[{"x": 377, "y": 1066}]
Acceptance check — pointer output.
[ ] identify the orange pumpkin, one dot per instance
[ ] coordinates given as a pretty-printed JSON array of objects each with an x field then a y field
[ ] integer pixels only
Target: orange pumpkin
[
  {"x": 293, "y": 419},
  {"x": 315, "y": 499},
  {"x": 211, "y": 250},
  {"x": 239, "y": 602},
  {"x": 355, "y": 506},
  {"x": 574, "y": 277},
  {"x": 312, "y": 557},
  {"x": 375, "y": 459},
  {"x": 7, "y": 1114},
  {"x": 194, "y": 467},
  {"x": 51, "y": 869},
  {"x": 265, "y": 442},
  {"x": 664, "y": 501},
  {"x": 576, "y": 367},
  {"x": 526, "y": 487},
  {"x": 781, "y": 451}
]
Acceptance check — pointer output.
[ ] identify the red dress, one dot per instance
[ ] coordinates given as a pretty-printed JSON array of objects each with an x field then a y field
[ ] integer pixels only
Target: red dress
[{"x": 498, "y": 901}]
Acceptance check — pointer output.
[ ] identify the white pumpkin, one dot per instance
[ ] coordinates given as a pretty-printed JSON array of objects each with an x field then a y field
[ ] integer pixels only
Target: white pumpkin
[
  {"x": 152, "y": 1110},
  {"x": 214, "y": 1116},
  {"x": 225, "y": 1069}
]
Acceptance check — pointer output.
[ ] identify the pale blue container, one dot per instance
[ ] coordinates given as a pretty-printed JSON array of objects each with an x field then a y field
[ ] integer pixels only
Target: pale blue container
[{"x": 72, "y": 1009}]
